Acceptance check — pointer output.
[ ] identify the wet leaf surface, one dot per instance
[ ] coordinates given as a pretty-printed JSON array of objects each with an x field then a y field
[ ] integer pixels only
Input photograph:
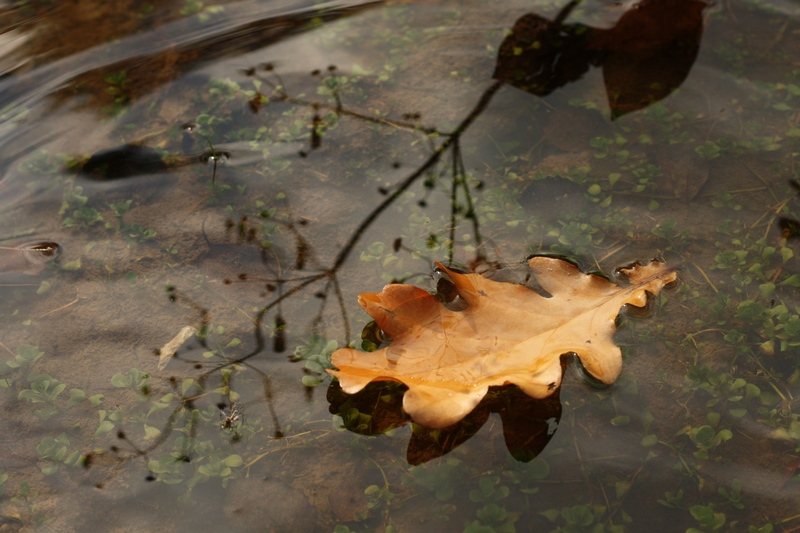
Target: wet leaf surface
[{"x": 508, "y": 334}]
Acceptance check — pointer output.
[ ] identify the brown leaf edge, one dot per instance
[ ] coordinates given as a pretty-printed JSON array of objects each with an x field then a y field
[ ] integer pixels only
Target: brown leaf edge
[{"x": 644, "y": 280}]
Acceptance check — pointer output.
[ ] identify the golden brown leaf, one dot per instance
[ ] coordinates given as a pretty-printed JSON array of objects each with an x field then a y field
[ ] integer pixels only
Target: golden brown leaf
[{"x": 508, "y": 334}]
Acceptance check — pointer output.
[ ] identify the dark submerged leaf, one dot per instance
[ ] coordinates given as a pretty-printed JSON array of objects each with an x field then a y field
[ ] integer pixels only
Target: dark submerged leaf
[
  {"x": 28, "y": 258},
  {"x": 644, "y": 57},
  {"x": 124, "y": 161}
]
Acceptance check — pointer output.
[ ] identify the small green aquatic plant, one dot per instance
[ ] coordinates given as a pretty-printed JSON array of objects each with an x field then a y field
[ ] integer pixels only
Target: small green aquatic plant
[
  {"x": 707, "y": 519},
  {"x": 580, "y": 518},
  {"x": 441, "y": 480},
  {"x": 732, "y": 495},
  {"x": 199, "y": 8},
  {"x": 54, "y": 451},
  {"x": 117, "y": 88},
  {"x": 489, "y": 491},
  {"x": 493, "y": 518},
  {"x": 316, "y": 357},
  {"x": 26, "y": 499}
]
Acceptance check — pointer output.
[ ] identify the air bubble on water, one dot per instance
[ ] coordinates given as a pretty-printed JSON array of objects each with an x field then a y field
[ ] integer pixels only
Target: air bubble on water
[
  {"x": 215, "y": 158},
  {"x": 190, "y": 127}
]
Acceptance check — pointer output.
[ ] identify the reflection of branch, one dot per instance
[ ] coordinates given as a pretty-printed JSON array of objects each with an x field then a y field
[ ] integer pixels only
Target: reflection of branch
[
  {"x": 405, "y": 184},
  {"x": 289, "y": 286},
  {"x": 459, "y": 177},
  {"x": 280, "y": 95},
  {"x": 565, "y": 12},
  {"x": 528, "y": 423},
  {"x": 303, "y": 252},
  {"x": 267, "y": 386}
]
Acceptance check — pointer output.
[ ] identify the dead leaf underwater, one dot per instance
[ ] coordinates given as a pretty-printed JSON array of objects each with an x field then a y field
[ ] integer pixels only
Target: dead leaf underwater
[
  {"x": 29, "y": 258},
  {"x": 508, "y": 334}
]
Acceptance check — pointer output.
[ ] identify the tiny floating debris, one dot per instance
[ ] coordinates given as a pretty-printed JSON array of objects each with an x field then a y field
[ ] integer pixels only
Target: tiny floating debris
[
  {"x": 190, "y": 127},
  {"x": 229, "y": 417},
  {"x": 29, "y": 258},
  {"x": 215, "y": 157},
  {"x": 169, "y": 349}
]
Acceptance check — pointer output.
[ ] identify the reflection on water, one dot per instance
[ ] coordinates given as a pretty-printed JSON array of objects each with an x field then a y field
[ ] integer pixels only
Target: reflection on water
[
  {"x": 527, "y": 424},
  {"x": 247, "y": 168},
  {"x": 645, "y": 56},
  {"x": 126, "y": 161}
]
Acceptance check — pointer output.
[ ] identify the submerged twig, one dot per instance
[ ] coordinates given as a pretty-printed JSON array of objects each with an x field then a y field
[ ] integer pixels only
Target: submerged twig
[
  {"x": 705, "y": 276},
  {"x": 73, "y": 302},
  {"x": 6, "y": 348}
]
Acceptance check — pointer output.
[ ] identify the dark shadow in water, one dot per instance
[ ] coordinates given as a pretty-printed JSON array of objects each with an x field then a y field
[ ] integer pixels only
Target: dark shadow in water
[
  {"x": 790, "y": 228},
  {"x": 528, "y": 423},
  {"x": 126, "y": 161},
  {"x": 644, "y": 57}
]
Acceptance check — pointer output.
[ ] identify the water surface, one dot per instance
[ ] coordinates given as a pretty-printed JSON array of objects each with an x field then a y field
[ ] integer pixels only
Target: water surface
[{"x": 247, "y": 168}]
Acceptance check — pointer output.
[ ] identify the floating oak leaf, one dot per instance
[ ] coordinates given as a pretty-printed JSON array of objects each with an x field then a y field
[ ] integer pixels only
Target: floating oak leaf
[{"x": 507, "y": 334}]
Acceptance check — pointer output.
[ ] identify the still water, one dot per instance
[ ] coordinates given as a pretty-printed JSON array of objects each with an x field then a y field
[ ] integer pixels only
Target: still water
[{"x": 245, "y": 169}]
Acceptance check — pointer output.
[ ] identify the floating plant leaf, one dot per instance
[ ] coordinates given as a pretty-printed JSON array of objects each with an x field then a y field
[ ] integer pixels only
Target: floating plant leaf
[
  {"x": 28, "y": 258},
  {"x": 507, "y": 334}
]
